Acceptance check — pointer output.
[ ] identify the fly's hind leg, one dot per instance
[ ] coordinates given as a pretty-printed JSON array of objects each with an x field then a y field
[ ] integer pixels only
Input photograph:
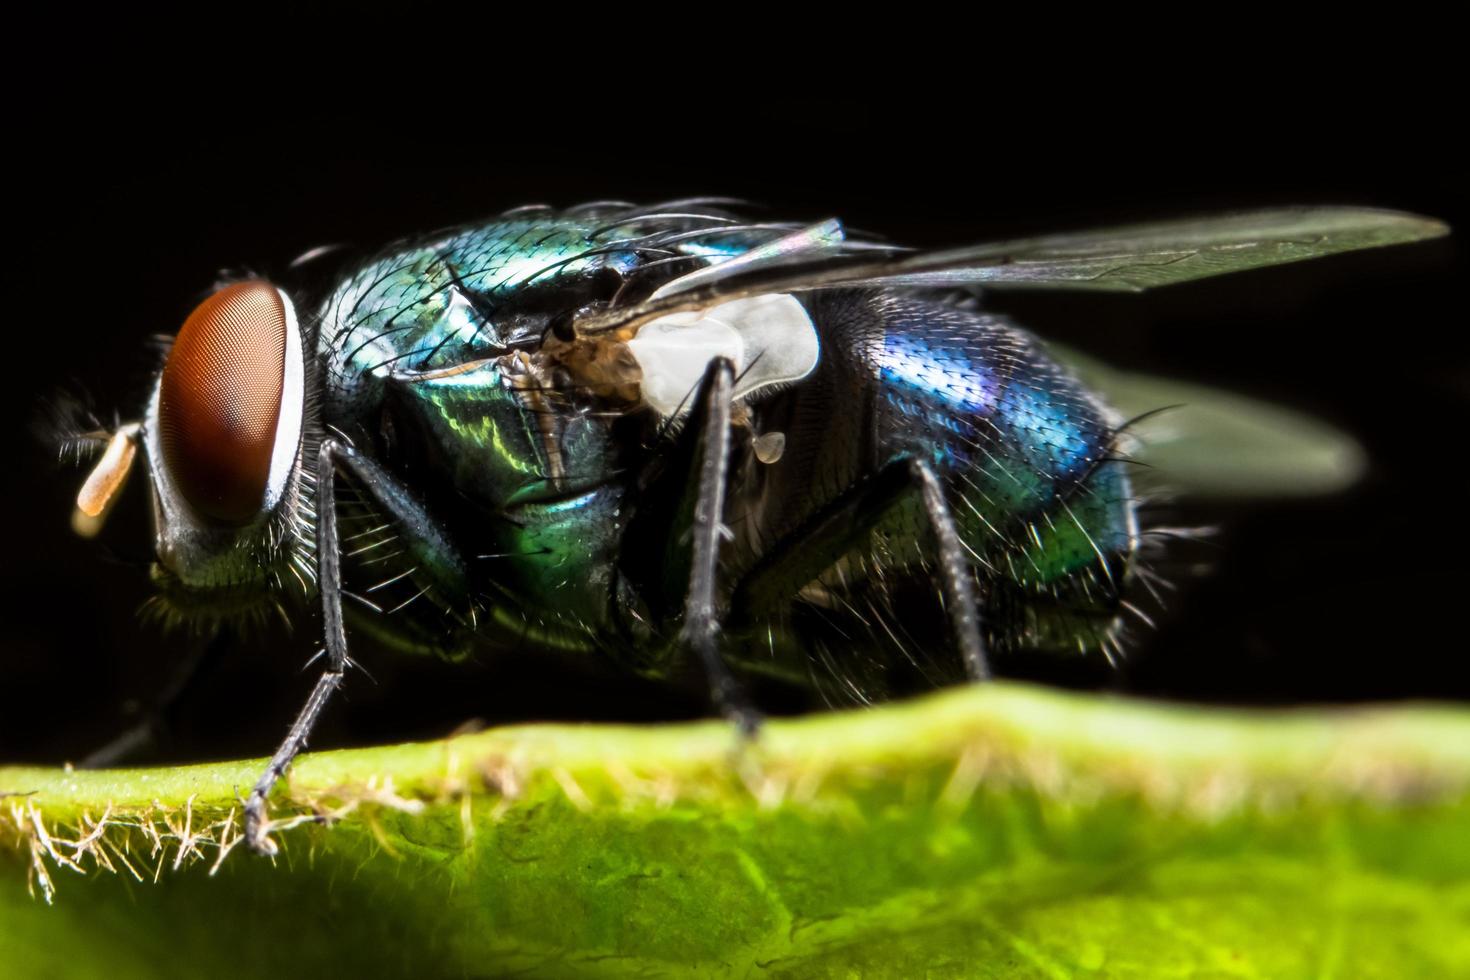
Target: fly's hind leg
[
  {"x": 843, "y": 525},
  {"x": 427, "y": 538},
  {"x": 953, "y": 572}
]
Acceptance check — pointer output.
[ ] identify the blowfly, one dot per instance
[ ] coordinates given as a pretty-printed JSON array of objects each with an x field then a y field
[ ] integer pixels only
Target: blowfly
[{"x": 666, "y": 435}]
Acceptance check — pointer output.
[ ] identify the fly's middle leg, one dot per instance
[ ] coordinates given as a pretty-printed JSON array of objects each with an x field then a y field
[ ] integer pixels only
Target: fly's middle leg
[
  {"x": 710, "y": 422},
  {"x": 700, "y": 461},
  {"x": 680, "y": 520}
]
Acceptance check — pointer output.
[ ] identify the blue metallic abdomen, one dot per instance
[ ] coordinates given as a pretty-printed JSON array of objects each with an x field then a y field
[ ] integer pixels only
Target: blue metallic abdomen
[{"x": 1027, "y": 455}]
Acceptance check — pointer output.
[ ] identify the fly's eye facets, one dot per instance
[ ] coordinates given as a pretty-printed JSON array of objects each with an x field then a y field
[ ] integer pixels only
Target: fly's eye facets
[{"x": 220, "y": 400}]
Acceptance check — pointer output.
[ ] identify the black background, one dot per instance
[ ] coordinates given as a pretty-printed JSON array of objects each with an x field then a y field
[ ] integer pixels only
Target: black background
[{"x": 132, "y": 197}]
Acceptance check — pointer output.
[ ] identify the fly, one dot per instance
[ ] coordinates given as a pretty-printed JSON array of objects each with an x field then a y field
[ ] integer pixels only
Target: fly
[{"x": 667, "y": 436}]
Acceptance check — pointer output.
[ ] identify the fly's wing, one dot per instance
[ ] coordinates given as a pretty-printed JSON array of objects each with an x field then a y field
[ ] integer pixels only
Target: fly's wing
[
  {"x": 1128, "y": 259},
  {"x": 1206, "y": 442}
]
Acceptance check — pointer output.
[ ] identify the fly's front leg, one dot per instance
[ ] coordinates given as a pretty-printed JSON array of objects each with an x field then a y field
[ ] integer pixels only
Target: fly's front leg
[
  {"x": 155, "y": 720},
  {"x": 845, "y": 524},
  {"x": 329, "y": 580},
  {"x": 445, "y": 567}
]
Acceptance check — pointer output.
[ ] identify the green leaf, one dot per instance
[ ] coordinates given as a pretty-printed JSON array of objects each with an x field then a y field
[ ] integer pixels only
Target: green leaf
[{"x": 991, "y": 831}]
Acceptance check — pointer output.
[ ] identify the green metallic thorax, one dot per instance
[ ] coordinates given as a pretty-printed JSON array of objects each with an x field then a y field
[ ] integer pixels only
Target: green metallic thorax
[{"x": 414, "y": 348}]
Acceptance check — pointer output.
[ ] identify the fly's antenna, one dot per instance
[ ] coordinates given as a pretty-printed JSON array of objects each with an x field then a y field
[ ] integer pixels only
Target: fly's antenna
[
  {"x": 70, "y": 425},
  {"x": 104, "y": 484}
]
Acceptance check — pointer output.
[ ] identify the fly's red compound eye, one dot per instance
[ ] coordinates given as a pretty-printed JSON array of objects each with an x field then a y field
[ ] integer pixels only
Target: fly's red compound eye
[{"x": 220, "y": 400}]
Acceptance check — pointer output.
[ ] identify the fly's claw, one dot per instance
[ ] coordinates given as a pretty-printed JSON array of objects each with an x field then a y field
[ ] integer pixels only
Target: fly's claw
[
  {"x": 257, "y": 828},
  {"x": 748, "y": 722}
]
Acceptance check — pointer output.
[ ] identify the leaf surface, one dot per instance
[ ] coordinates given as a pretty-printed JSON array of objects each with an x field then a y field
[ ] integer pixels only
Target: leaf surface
[{"x": 996, "y": 831}]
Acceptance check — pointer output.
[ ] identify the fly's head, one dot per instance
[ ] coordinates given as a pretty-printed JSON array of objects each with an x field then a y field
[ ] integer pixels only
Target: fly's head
[{"x": 222, "y": 443}]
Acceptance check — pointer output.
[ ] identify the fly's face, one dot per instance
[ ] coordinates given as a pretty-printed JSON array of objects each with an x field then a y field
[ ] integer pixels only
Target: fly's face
[{"x": 222, "y": 441}]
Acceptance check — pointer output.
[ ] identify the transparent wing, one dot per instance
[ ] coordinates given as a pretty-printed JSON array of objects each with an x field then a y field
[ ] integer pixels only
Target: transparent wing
[
  {"x": 1140, "y": 257},
  {"x": 1127, "y": 259},
  {"x": 1201, "y": 441}
]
